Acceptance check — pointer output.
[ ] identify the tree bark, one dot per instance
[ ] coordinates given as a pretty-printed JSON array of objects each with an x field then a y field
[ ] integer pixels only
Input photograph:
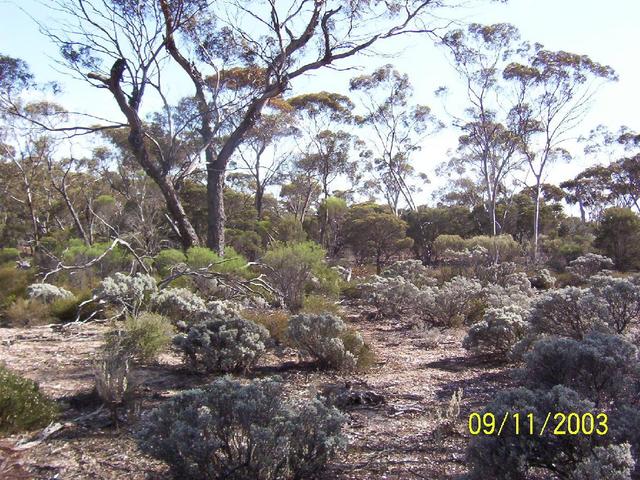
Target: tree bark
[{"x": 216, "y": 217}]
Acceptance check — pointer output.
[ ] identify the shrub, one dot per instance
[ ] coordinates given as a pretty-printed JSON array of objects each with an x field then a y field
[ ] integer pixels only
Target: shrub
[
  {"x": 112, "y": 377},
  {"x": 411, "y": 270},
  {"x": 231, "y": 263},
  {"x": 166, "y": 259},
  {"x": 67, "y": 310},
  {"x": 242, "y": 432},
  {"x": 131, "y": 293},
  {"x": 588, "y": 265},
  {"x": 47, "y": 293},
  {"x": 8, "y": 254},
  {"x": 497, "y": 333},
  {"x": 618, "y": 237},
  {"x": 23, "y": 407},
  {"x": 28, "y": 313},
  {"x": 179, "y": 304},
  {"x": 275, "y": 321},
  {"x": 317, "y": 304},
  {"x": 290, "y": 268},
  {"x": 616, "y": 301},
  {"x": 201, "y": 257},
  {"x": 326, "y": 338},
  {"x": 13, "y": 284},
  {"x": 391, "y": 296},
  {"x": 613, "y": 462},
  {"x": 512, "y": 455},
  {"x": 599, "y": 367},
  {"x": 143, "y": 336},
  {"x": 232, "y": 344},
  {"x": 451, "y": 304},
  {"x": 542, "y": 279},
  {"x": 562, "y": 312}
]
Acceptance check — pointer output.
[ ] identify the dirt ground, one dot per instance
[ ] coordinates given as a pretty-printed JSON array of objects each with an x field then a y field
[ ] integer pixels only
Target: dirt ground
[{"x": 402, "y": 437}]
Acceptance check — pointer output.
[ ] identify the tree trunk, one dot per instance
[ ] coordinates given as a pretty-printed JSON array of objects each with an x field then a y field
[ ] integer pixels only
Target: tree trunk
[
  {"x": 215, "y": 212},
  {"x": 536, "y": 222},
  {"x": 259, "y": 199},
  {"x": 188, "y": 236}
]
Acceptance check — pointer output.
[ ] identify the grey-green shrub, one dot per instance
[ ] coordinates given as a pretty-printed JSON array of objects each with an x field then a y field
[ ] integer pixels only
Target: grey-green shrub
[
  {"x": 512, "y": 455},
  {"x": 179, "y": 305},
  {"x": 230, "y": 344},
  {"x": 613, "y": 462},
  {"x": 588, "y": 265},
  {"x": 562, "y": 312},
  {"x": 235, "y": 431},
  {"x": 47, "y": 293},
  {"x": 497, "y": 333},
  {"x": 131, "y": 293},
  {"x": 451, "y": 304},
  {"x": 392, "y": 296},
  {"x": 600, "y": 367},
  {"x": 412, "y": 271},
  {"x": 616, "y": 301},
  {"x": 322, "y": 337}
]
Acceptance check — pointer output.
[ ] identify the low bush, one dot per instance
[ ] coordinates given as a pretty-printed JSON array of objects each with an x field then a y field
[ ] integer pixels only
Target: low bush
[
  {"x": 616, "y": 301},
  {"x": 497, "y": 333},
  {"x": 231, "y": 431},
  {"x": 542, "y": 279},
  {"x": 13, "y": 284},
  {"x": 129, "y": 293},
  {"x": 317, "y": 304},
  {"x": 179, "y": 305},
  {"x": 230, "y": 344},
  {"x": 112, "y": 377},
  {"x": 326, "y": 338},
  {"x": 588, "y": 265},
  {"x": 167, "y": 259},
  {"x": 275, "y": 321},
  {"x": 392, "y": 297},
  {"x": 562, "y": 312},
  {"x": 514, "y": 455},
  {"x": 67, "y": 310},
  {"x": 144, "y": 336},
  {"x": 23, "y": 407},
  {"x": 450, "y": 305},
  {"x": 290, "y": 267},
  {"x": 28, "y": 313},
  {"x": 9, "y": 255},
  {"x": 413, "y": 271},
  {"x": 613, "y": 462},
  {"x": 231, "y": 263},
  {"x": 600, "y": 367},
  {"x": 47, "y": 293}
]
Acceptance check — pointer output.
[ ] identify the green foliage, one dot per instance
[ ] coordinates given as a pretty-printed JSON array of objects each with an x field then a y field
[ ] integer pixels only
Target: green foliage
[
  {"x": 290, "y": 267},
  {"x": 79, "y": 253},
  {"x": 232, "y": 263},
  {"x": 8, "y": 255},
  {"x": 375, "y": 234},
  {"x": 144, "y": 336},
  {"x": 23, "y": 407},
  {"x": 618, "y": 236},
  {"x": 502, "y": 248},
  {"x": 317, "y": 304},
  {"x": 66, "y": 310},
  {"x": 13, "y": 284},
  {"x": 236, "y": 431},
  {"x": 613, "y": 462},
  {"x": 168, "y": 258}
]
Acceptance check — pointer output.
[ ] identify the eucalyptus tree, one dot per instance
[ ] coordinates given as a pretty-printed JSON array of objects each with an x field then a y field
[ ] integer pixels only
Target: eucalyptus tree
[
  {"x": 395, "y": 130},
  {"x": 554, "y": 91},
  {"x": 489, "y": 145}
]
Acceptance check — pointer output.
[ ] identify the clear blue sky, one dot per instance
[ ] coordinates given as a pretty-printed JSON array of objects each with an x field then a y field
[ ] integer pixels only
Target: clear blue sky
[{"x": 606, "y": 31}]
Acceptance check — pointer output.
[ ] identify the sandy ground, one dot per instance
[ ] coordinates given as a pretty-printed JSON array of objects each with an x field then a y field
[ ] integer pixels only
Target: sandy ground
[{"x": 400, "y": 438}]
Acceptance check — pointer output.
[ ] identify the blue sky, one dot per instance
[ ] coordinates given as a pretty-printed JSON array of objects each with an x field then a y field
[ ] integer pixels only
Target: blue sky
[{"x": 606, "y": 31}]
